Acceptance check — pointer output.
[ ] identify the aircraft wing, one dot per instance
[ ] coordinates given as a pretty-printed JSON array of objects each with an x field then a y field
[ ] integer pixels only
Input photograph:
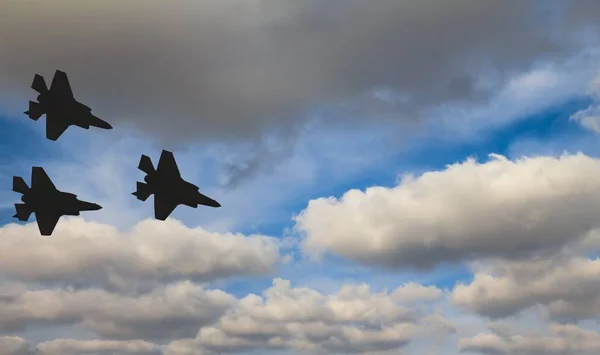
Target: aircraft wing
[
  {"x": 163, "y": 207},
  {"x": 54, "y": 128},
  {"x": 40, "y": 180},
  {"x": 167, "y": 164},
  {"x": 60, "y": 84},
  {"x": 46, "y": 222}
]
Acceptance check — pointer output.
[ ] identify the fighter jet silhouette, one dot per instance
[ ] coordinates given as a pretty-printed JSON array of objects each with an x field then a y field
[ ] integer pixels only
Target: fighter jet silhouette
[
  {"x": 168, "y": 187},
  {"x": 60, "y": 107},
  {"x": 46, "y": 201}
]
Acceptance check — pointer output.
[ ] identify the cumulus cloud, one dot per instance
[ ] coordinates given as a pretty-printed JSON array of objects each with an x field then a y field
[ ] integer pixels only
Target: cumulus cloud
[
  {"x": 176, "y": 310},
  {"x": 500, "y": 208},
  {"x": 353, "y": 320},
  {"x": 563, "y": 339},
  {"x": 97, "y": 347},
  {"x": 567, "y": 287},
  {"x": 12, "y": 345},
  {"x": 237, "y": 69},
  {"x": 82, "y": 254},
  {"x": 195, "y": 320}
]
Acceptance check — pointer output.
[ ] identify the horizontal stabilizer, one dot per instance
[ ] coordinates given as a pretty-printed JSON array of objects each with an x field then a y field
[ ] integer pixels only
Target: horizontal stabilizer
[
  {"x": 19, "y": 185},
  {"x": 143, "y": 191},
  {"x": 36, "y": 110},
  {"x": 146, "y": 164},
  {"x": 39, "y": 84},
  {"x": 23, "y": 212}
]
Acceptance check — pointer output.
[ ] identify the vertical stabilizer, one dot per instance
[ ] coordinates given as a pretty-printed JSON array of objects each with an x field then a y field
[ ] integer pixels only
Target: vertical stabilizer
[
  {"x": 39, "y": 84},
  {"x": 19, "y": 185},
  {"x": 146, "y": 165}
]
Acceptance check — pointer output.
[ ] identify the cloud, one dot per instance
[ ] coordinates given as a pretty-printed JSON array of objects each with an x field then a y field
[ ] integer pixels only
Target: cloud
[
  {"x": 500, "y": 208},
  {"x": 81, "y": 254},
  {"x": 176, "y": 310},
  {"x": 238, "y": 69},
  {"x": 11, "y": 345},
  {"x": 566, "y": 286},
  {"x": 97, "y": 347},
  {"x": 563, "y": 339},
  {"x": 352, "y": 320},
  {"x": 589, "y": 117}
]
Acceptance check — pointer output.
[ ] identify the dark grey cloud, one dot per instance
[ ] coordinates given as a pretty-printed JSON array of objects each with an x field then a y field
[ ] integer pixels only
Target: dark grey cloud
[{"x": 236, "y": 69}]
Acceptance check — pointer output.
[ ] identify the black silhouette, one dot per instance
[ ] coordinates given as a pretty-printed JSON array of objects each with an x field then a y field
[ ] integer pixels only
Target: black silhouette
[
  {"x": 168, "y": 187},
  {"x": 46, "y": 201},
  {"x": 60, "y": 107}
]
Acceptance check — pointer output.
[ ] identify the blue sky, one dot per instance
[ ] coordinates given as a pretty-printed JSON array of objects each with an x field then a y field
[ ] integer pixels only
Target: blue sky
[{"x": 453, "y": 212}]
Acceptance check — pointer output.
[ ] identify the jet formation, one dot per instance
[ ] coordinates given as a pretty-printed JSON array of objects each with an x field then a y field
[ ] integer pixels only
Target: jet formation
[{"x": 48, "y": 203}]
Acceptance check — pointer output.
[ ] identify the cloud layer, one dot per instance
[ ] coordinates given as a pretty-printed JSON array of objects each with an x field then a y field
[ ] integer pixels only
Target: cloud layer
[
  {"x": 239, "y": 69},
  {"x": 354, "y": 319}
]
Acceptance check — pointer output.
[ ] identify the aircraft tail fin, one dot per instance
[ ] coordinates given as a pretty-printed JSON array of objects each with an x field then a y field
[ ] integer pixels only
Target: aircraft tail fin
[
  {"x": 143, "y": 191},
  {"x": 23, "y": 212},
  {"x": 36, "y": 110},
  {"x": 39, "y": 84},
  {"x": 19, "y": 185},
  {"x": 146, "y": 165}
]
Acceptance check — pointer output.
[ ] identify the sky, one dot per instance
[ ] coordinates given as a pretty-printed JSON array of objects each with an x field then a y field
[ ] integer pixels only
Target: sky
[{"x": 396, "y": 177}]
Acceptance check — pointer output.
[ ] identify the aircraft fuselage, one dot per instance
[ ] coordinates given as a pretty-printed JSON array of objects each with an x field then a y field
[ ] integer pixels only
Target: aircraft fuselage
[
  {"x": 64, "y": 203},
  {"x": 70, "y": 111},
  {"x": 179, "y": 190}
]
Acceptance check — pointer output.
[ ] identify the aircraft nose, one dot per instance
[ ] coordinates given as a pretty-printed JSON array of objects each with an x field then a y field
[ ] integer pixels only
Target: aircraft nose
[
  {"x": 101, "y": 123},
  {"x": 95, "y": 207},
  {"x": 105, "y": 125}
]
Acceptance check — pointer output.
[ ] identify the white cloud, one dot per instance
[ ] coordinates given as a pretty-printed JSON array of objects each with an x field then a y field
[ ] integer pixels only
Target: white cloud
[
  {"x": 589, "y": 117},
  {"x": 177, "y": 310},
  {"x": 81, "y": 253},
  {"x": 469, "y": 210},
  {"x": 352, "y": 320},
  {"x": 568, "y": 288},
  {"x": 97, "y": 347},
  {"x": 11, "y": 345},
  {"x": 563, "y": 339}
]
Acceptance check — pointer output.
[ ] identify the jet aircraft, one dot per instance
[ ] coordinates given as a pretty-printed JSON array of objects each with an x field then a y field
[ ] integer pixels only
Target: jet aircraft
[
  {"x": 60, "y": 107},
  {"x": 168, "y": 187},
  {"x": 46, "y": 201}
]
